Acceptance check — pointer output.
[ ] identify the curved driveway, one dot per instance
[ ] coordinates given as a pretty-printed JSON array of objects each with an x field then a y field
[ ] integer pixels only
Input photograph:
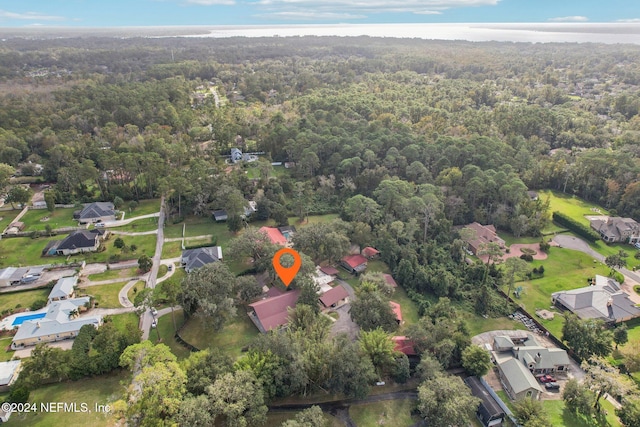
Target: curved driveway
[{"x": 577, "y": 244}]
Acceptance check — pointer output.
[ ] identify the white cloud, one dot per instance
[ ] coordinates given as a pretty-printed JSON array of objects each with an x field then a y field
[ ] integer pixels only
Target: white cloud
[
  {"x": 428, "y": 12},
  {"x": 326, "y": 9},
  {"x": 211, "y": 2},
  {"x": 569, "y": 19},
  {"x": 28, "y": 16},
  {"x": 630, "y": 21},
  {"x": 302, "y": 15}
]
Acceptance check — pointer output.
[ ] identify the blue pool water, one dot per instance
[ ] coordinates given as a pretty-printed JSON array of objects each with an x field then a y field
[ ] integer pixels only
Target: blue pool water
[{"x": 20, "y": 319}]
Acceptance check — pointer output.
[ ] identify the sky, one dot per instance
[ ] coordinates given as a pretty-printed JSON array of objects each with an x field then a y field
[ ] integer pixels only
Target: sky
[{"x": 122, "y": 13}]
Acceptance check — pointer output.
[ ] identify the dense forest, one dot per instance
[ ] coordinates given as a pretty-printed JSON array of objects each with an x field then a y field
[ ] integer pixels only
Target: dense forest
[{"x": 404, "y": 139}]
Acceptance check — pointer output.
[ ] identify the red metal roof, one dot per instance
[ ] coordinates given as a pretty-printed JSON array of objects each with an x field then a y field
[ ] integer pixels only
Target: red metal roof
[
  {"x": 272, "y": 312},
  {"x": 354, "y": 260},
  {"x": 370, "y": 252},
  {"x": 404, "y": 345},
  {"x": 396, "y": 310},
  {"x": 274, "y": 235},
  {"x": 331, "y": 271},
  {"x": 274, "y": 292},
  {"x": 390, "y": 280},
  {"x": 333, "y": 296}
]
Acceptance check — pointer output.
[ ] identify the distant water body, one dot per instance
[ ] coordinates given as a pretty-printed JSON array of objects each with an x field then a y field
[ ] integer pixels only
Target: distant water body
[{"x": 610, "y": 33}]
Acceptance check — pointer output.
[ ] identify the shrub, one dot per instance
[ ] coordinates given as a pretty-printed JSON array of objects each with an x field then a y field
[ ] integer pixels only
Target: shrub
[
  {"x": 618, "y": 277},
  {"x": 38, "y": 304},
  {"x": 526, "y": 257},
  {"x": 544, "y": 246},
  {"x": 575, "y": 226},
  {"x": 541, "y": 269}
]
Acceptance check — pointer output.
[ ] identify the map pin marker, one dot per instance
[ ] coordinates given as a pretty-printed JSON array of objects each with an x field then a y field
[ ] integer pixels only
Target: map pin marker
[{"x": 286, "y": 274}]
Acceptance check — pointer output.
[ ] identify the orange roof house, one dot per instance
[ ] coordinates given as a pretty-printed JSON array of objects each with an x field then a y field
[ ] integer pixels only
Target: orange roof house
[
  {"x": 354, "y": 263},
  {"x": 274, "y": 235},
  {"x": 404, "y": 345},
  {"x": 370, "y": 252}
]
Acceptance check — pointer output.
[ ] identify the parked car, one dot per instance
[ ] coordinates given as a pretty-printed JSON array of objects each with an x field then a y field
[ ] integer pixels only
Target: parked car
[
  {"x": 552, "y": 386},
  {"x": 154, "y": 324},
  {"x": 154, "y": 312},
  {"x": 545, "y": 378}
]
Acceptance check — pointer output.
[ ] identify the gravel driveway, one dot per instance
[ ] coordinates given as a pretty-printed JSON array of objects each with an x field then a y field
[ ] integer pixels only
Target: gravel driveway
[{"x": 344, "y": 324}]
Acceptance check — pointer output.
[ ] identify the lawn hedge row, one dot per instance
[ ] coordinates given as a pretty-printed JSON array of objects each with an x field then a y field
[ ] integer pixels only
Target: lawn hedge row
[{"x": 575, "y": 226}]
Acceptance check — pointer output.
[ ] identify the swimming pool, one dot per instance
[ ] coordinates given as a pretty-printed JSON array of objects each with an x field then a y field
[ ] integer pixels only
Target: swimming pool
[{"x": 20, "y": 319}]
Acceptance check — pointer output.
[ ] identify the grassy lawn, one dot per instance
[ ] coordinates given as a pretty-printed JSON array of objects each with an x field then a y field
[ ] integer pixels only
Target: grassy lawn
[
  {"x": 231, "y": 339},
  {"x": 195, "y": 226},
  {"x": 178, "y": 275},
  {"x": 125, "y": 321},
  {"x": 571, "y": 205},
  {"x": 144, "y": 224},
  {"x": 275, "y": 419},
  {"x": 114, "y": 274},
  {"x": 23, "y": 251},
  {"x": 565, "y": 269},
  {"x": 145, "y": 207},
  {"x": 505, "y": 398},
  {"x": 60, "y": 217},
  {"x": 612, "y": 249},
  {"x": 4, "y": 344},
  {"x": 105, "y": 295},
  {"x": 390, "y": 412},
  {"x": 577, "y": 208},
  {"x": 165, "y": 328},
  {"x": 171, "y": 249},
  {"x": 24, "y": 299},
  {"x": 145, "y": 245},
  {"x": 478, "y": 324},
  {"x": 315, "y": 219},
  {"x": 104, "y": 389},
  {"x": 349, "y": 278},
  {"x": 561, "y": 417},
  {"x": 510, "y": 239},
  {"x": 131, "y": 294},
  {"x": 409, "y": 308},
  {"x": 6, "y": 218},
  {"x": 162, "y": 270}
]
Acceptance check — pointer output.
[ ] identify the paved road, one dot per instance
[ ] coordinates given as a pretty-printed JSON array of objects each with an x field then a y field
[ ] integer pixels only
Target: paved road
[
  {"x": 122, "y": 295},
  {"x": 146, "y": 318}
]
